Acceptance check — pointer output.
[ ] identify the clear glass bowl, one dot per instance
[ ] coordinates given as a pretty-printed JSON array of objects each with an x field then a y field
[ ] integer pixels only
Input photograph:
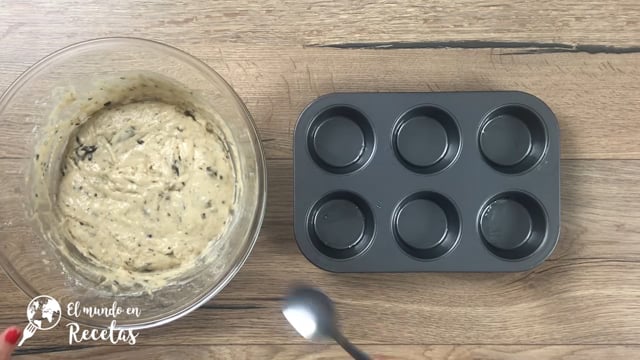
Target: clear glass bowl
[{"x": 28, "y": 107}]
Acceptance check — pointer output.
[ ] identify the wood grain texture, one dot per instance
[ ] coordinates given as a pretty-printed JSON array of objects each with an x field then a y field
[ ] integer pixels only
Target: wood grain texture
[
  {"x": 324, "y": 352},
  {"x": 581, "y": 57}
]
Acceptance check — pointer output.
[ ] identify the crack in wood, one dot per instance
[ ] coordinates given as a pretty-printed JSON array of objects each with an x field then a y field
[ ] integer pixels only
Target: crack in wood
[{"x": 526, "y": 47}]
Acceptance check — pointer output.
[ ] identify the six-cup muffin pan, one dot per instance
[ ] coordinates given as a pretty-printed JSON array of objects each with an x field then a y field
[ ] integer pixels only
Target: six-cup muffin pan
[{"x": 398, "y": 182}]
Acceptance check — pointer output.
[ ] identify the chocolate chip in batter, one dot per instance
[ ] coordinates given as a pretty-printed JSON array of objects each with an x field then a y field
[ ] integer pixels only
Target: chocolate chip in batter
[
  {"x": 175, "y": 168},
  {"x": 190, "y": 114},
  {"x": 86, "y": 151},
  {"x": 211, "y": 171}
]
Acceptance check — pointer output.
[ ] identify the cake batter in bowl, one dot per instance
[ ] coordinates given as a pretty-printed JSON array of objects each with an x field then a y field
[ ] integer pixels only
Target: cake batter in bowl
[{"x": 138, "y": 177}]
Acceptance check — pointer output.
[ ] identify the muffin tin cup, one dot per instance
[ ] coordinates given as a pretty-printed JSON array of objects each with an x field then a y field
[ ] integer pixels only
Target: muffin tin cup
[
  {"x": 513, "y": 225},
  {"x": 340, "y": 139},
  {"x": 426, "y": 225},
  {"x": 341, "y": 225},
  {"x": 513, "y": 139},
  {"x": 464, "y": 181},
  {"x": 426, "y": 139}
]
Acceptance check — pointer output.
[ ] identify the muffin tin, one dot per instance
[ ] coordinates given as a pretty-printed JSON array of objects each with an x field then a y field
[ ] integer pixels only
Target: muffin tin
[{"x": 397, "y": 182}]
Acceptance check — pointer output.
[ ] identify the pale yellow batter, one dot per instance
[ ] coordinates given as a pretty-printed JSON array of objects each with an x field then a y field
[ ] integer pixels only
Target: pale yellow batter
[{"x": 144, "y": 188}]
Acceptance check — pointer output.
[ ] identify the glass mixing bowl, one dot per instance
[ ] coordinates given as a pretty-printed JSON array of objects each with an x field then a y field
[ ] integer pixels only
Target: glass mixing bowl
[{"x": 53, "y": 90}]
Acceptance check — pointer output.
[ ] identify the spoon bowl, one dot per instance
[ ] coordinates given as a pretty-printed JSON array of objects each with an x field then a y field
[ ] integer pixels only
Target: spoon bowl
[{"x": 312, "y": 314}]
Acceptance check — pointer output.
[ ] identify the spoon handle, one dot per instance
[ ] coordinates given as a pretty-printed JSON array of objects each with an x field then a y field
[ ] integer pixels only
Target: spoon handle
[{"x": 356, "y": 353}]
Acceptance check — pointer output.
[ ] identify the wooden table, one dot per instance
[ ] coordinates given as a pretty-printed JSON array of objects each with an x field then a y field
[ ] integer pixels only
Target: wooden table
[{"x": 580, "y": 56}]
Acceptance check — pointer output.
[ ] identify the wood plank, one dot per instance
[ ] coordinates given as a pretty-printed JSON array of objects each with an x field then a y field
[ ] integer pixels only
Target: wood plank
[
  {"x": 327, "y": 22},
  {"x": 587, "y": 293},
  {"x": 324, "y": 352},
  {"x": 591, "y": 94}
]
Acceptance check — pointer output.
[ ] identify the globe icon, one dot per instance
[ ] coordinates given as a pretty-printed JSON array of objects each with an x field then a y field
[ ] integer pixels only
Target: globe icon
[{"x": 44, "y": 312}]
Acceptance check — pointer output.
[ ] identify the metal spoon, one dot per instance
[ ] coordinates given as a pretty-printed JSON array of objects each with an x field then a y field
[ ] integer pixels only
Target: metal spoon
[{"x": 313, "y": 315}]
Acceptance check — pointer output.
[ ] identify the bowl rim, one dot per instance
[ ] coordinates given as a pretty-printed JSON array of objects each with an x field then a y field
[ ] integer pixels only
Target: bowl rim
[{"x": 209, "y": 73}]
